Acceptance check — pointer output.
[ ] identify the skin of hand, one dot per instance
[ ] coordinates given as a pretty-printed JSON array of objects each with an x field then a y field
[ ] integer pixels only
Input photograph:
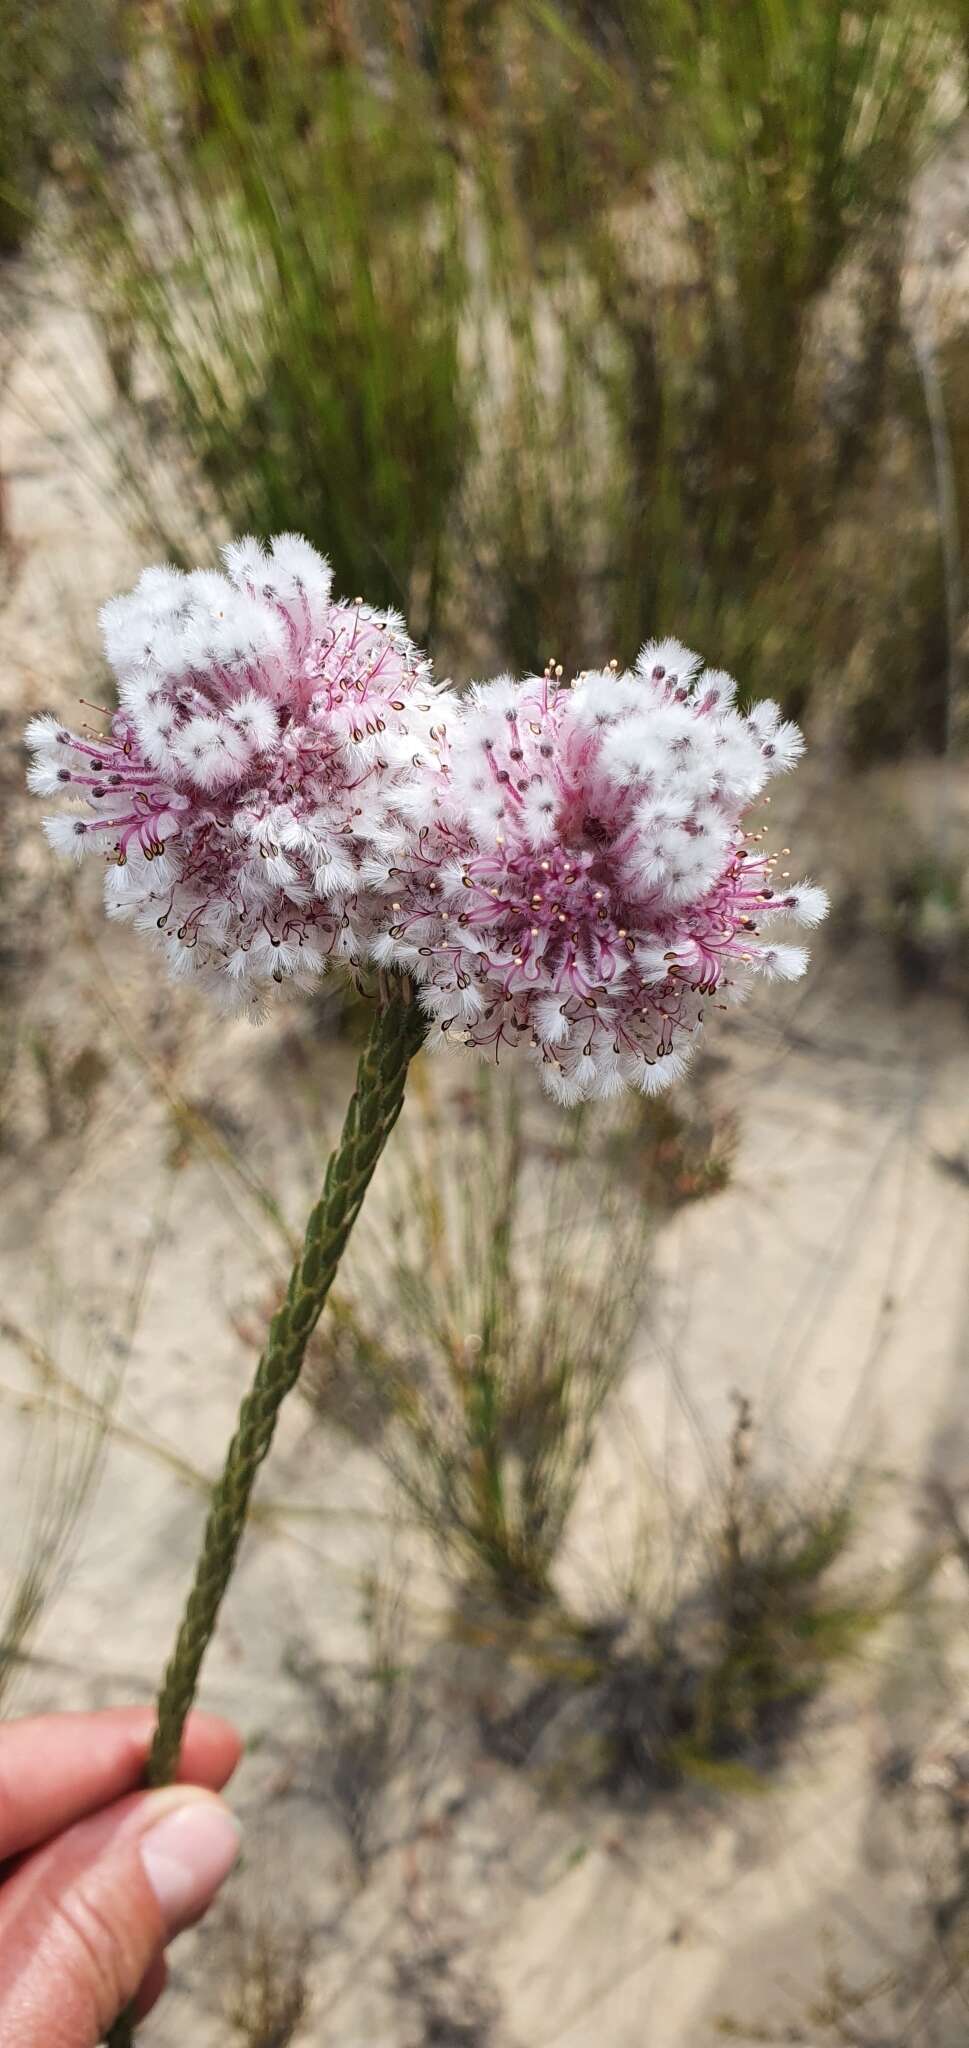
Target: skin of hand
[{"x": 96, "y": 1877}]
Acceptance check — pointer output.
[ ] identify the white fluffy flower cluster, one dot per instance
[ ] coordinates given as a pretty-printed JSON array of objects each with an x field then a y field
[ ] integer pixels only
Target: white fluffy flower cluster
[
  {"x": 585, "y": 882},
  {"x": 266, "y": 742},
  {"x": 563, "y": 867}
]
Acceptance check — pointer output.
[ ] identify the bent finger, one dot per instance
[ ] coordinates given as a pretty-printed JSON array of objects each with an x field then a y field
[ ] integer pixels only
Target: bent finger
[
  {"x": 55, "y": 1768},
  {"x": 84, "y": 1919}
]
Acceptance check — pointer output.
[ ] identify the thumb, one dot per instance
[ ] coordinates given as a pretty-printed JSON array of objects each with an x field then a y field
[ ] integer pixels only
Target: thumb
[{"x": 83, "y": 1919}]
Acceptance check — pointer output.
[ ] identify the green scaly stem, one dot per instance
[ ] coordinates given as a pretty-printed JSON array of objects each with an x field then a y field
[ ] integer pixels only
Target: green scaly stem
[{"x": 396, "y": 1035}]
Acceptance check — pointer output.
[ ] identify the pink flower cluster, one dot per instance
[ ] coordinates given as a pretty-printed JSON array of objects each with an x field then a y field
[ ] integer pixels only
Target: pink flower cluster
[
  {"x": 584, "y": 883},
  {"x": 562, "y": 867},
  {"x": 264, "y": 735}
]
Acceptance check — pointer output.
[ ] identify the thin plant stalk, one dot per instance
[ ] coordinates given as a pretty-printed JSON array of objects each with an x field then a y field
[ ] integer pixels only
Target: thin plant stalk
[
  {"x": 396, "y": 1035},
  {"x": 926, "y": 357}
]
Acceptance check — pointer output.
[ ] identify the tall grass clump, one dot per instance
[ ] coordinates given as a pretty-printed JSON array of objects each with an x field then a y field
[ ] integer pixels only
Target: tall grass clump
[
  {"x": 493, "y": 1309},
  {"x": 275, "y": 230},
  {"x": 772, "y": 1627},
  {"x": 794, "y": 130},
  {"x": 527, "y": 315},
  {"x": 704, "y": 1681},
  {"x": 55, "y": 58}
]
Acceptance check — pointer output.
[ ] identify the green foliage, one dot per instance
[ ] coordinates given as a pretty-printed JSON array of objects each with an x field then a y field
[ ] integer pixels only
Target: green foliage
[
  {"x": 788, "y": 130},
  {"x": 29, "y": 43},
  {"x": 767, "y": 1631},
  {"x": 708, "y": 1689},
  {"x": 515, "y": 310},
  {"x": 775, "y": 1631},
  {"x": 285, "y": 242},
  {"x": 52, "y": 56}
]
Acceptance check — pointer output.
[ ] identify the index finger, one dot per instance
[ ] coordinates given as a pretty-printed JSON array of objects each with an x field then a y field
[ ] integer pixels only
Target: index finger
[{"x": 55, "y": 1768}]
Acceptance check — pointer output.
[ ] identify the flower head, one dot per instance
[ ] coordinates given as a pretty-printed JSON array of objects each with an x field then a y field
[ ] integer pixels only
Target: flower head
[
  {"x": 265, "y": 741},
  {"x": 583, "y": 884}
]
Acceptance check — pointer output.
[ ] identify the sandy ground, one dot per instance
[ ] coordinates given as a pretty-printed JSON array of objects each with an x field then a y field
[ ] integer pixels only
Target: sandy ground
[{"x": 829, "y": 1283}]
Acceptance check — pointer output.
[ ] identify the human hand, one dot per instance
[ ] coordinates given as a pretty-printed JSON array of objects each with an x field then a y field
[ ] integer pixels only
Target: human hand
[{"x": 95, "y": 1876}]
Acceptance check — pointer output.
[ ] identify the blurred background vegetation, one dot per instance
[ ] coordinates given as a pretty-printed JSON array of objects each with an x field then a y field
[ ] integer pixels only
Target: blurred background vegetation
[{"x": 553, "y": 324}]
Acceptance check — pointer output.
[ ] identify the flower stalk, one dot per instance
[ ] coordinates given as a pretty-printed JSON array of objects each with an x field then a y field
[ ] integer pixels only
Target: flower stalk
[
  {"x": 397, "y": 1032},
  {"x": 284, "y": 789}
]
